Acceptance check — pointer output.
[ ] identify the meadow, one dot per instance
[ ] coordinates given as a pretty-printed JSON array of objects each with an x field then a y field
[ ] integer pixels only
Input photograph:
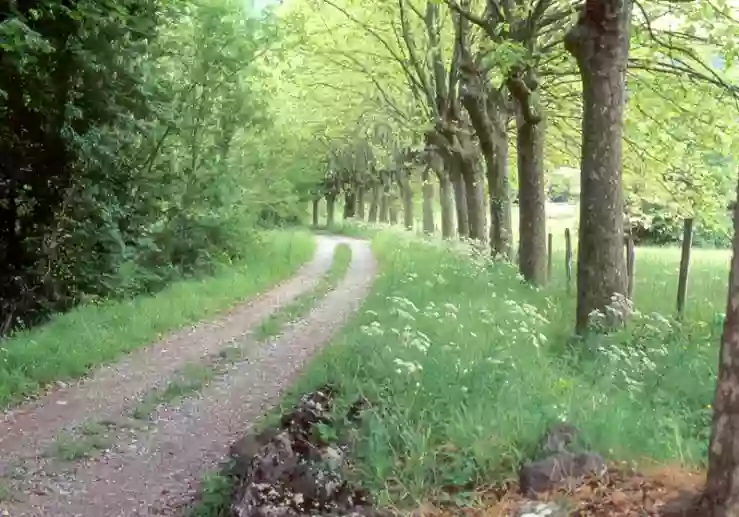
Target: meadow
[{"x": 465, "y": 365}]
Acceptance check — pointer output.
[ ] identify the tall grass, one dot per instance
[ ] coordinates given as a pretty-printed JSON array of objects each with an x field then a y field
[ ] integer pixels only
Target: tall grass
[
  {"x": 72, "y": 343},
  {"x": 466, "y": 365}
]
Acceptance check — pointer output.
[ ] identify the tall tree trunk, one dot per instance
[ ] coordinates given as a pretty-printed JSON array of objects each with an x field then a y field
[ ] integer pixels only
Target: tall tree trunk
[
  {"x": 406, "y": 194},
  {"x": 330, "y": 209},
  {"x": 460, "y": 199},
  {"x": 476, "y": 102},
  {"x": 532, "y": 242},
  {"x": 360, "y": 203},
  {"x": 392, "y": 203},
  {"x": 446, "y": 200},
  {"x": 316, "y": 204},
  {"x": 722, "y": 485},
  {"x": 474, "y": 194},
  {"x": 499, "y": 190},
  {"x": 600, "y": 44},
  {"x": 428, "y": 201},
  {"x": 384, "y": 203},
  {"x": 374, "y": 204},
  {"x": 349, "y": 204}
]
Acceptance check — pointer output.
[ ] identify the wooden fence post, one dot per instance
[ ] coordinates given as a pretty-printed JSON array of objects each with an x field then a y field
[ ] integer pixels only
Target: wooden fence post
[
  {"x": 630, "y": 256},
  {"x": 682, "y": 282},
  {"x": 568, "y": 259},
  {"x": 549, "y": 257}
]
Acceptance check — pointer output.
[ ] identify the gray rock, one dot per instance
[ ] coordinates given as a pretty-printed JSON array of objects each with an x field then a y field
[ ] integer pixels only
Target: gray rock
[
  {"x": 291, "y": 472},
  {"x": 539, "y": 509},
  {"x": 562, "y": 468},
  {"x": 243, "y": 451},
  {"x": 332, "y": 457},
  {"x": 558, "y": 438}
]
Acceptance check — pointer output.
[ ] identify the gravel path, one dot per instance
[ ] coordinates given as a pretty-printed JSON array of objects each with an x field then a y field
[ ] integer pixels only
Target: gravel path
[{"x": 154, "y": 471}]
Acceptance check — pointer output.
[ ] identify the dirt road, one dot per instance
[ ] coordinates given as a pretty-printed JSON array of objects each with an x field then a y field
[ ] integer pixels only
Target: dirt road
[{"x": 150, "y": 470}]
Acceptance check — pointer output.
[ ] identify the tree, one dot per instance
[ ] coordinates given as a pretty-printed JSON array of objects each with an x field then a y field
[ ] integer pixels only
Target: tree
[
  {"x": 520, "y": 35},
  {"x": 131, "y": 148},
  {"x": 599, "y": 42},
  {"x": 722, "y": 486}
]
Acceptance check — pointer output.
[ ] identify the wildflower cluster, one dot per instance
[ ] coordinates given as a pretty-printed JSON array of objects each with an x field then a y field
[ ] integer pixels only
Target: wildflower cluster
[
  {"x": 635, "y": 352},
  {"x": 613, "y": 315}
]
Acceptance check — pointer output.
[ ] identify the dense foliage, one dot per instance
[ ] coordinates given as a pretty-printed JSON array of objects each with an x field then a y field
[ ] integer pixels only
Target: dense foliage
[{"x": 131, "y": 137}]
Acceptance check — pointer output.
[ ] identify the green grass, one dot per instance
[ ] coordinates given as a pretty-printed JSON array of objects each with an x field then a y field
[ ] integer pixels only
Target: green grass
[
  {"x": 467, "y": 365},
  {"x": 72, "y": 343},
  {"x": 273, "y": 324},
  {"x": 214, "y": 497},
  {"x": 186, "y": 381},
  {"x": 191, "y": 378},
  {"x": 6, "y": 492},
  {"x": 91, "y": 438}
]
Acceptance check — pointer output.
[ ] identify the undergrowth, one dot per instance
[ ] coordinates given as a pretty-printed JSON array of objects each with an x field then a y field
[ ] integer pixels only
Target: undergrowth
[
  {"x": 466, "y": 365},
  {"x": 72, "y": 343}
]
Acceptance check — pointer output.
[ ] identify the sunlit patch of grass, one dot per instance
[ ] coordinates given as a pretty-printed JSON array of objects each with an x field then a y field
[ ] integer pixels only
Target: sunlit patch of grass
[
  {"x": 69, "y": 446},
  {"x": 213, "y": 497},
  {"x": 72, "y": 343},
  {"x": 467, "y": 364},
  {"x": 190, "y": 379},
  {"x": 7, "y": 494}
]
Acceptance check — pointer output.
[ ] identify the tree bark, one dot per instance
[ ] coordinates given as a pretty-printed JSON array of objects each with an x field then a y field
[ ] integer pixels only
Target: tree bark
[
  {"x": 460, "y": 199},
  {"x": 374, "y": 204},
  {"x": 478, "y": 105},
  {"x": 428, "y": 202},
  {"x": 349, "y": 204},
  {"x": 722, "y": 485},
  {"x": 474, "y": 195},
  {"x": 392, "y": 205},
  {"x": 446, "y": 200},
  {"x": 600, "y": 42},
  {"x": 532, "y": 242},
  {"x": 330, "y": 209},
  {"x": 316, "y": 204},
  {"x": 360, "y": 204},
  {"x": 499, "y": 189},
  {"x": 407, "y": 194},
  {"x": 392, "y": 199},
  {"x": 384, "y": 202}
]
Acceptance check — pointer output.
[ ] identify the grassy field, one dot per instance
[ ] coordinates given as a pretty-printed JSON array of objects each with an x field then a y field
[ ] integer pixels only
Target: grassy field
[
  {"x": 656, "y": 267},
  {"x": 466, "y": 365},
  {"x": 72, "y": 343}
]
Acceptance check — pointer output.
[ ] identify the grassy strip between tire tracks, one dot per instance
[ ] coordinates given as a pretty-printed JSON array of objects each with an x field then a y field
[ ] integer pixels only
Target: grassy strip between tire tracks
[
  {"x": 72, "y": 343},
  {"x": 274, "y": 323}
]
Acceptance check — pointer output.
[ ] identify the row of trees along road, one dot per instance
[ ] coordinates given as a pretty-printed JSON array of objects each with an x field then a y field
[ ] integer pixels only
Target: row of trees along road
[
  {"x": 141, "y": 141},
  {"x": 458, "y": 90}
]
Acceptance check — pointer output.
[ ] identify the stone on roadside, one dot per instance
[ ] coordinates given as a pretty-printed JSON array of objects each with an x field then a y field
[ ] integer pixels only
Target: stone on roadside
[
  {"x": 539, "y": 509},
  {"x": 291, "y": 471},
  {"x": 558, "y": 438},
  {"x": 563, "y": 468}
]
